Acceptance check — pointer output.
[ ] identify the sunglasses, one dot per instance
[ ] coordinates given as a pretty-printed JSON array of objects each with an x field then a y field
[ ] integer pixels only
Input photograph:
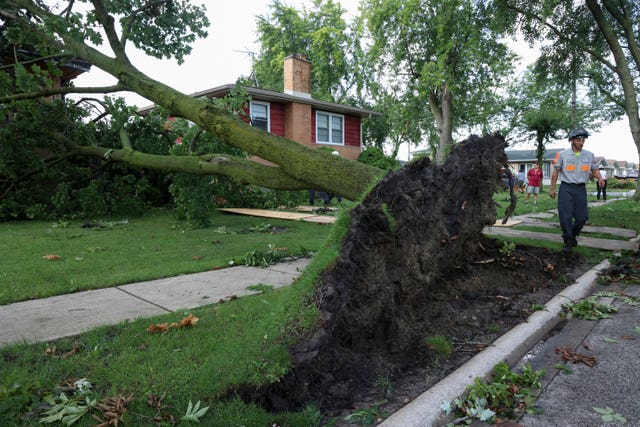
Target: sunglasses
[{"x": 580, "y": 138}]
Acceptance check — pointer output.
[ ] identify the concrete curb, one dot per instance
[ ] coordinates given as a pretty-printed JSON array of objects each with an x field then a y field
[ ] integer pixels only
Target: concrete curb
[{"x": 424, "y": 411}]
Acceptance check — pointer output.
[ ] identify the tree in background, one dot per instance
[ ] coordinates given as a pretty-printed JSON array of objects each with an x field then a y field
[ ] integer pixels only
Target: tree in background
[
  {"x": 545, "y": 109},
  {"x": 446, "y": 57},
  {"x": 321, "y": 34},
  {"x": 593, "y": 40}
]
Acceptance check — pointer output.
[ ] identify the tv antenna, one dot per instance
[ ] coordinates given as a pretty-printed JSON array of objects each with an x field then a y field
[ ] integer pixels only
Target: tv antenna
[{"x": 253, "y": 61}]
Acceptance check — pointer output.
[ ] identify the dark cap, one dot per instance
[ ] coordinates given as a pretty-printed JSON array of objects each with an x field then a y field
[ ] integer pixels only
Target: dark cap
[{"x": 578, "y": 132}]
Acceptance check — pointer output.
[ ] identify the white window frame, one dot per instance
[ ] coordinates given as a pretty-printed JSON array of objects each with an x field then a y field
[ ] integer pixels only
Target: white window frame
[
  {"x": 266, "y": 104},
  {"x": 331, "y": 116}
]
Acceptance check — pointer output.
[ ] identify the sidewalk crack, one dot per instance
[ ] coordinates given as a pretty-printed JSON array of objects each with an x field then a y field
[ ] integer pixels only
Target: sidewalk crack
[{"x": 145, "y": 300}]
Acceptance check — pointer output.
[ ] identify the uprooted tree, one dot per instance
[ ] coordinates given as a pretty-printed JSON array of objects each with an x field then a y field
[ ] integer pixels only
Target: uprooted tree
[{"x": 412, "y": 228}]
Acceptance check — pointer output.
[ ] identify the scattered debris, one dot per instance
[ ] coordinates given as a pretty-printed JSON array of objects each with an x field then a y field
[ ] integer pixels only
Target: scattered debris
[{"x": 571, "y": 356}]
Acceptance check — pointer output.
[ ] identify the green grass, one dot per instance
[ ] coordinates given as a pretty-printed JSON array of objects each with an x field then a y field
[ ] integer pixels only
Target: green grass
[{"x": 134, "y": 250}]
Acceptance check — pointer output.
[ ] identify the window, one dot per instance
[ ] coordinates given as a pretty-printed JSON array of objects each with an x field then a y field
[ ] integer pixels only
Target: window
[
  {"x": 329, "y": 128},
  {"x": 259, "y": 113}
]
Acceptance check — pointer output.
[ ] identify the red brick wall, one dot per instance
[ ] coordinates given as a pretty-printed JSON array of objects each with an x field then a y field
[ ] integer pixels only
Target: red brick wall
[{"x": 277, "y": 119}]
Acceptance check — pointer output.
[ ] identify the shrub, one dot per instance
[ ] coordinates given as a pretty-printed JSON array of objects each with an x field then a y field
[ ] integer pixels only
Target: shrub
[{"x": 374, "y": 156}]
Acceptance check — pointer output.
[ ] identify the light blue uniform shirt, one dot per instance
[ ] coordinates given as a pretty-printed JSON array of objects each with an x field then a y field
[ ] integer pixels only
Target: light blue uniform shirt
[{"x": 575, "y": 168}]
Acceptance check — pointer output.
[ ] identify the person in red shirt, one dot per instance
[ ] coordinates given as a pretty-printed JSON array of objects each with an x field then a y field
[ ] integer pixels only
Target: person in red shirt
[{"x": 534, "y": 178}]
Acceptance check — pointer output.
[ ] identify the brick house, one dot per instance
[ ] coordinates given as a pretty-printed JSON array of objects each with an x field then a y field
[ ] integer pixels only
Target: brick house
[{"x": 295, "y": 115}]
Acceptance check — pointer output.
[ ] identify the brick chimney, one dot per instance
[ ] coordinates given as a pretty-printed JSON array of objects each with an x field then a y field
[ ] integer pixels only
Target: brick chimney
[
  {"x": 297, "y": 75},
  {"x": 297, "y": 115}
]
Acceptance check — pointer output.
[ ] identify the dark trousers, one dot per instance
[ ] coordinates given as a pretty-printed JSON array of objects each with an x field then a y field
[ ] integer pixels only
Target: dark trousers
[
  {"x": 572, "y": 209},
  {"x": 602, "y": 190}
]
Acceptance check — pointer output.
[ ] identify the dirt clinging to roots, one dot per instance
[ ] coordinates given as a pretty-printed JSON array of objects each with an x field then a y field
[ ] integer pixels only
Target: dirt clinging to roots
[{"x": 415, "y": 264}]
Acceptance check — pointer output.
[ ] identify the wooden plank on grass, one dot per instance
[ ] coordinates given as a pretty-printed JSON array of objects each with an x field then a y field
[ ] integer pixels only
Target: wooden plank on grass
[
  {"x": 264, "y": 213},
  {"x": 510, "y": 223},
  {"x": 321, "y": 219}
]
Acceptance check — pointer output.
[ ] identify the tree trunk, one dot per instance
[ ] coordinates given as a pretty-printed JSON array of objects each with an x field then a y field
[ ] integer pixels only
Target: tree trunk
[
  {"x": 624, "y": 73},
  {"x": 441, "y": 110}
]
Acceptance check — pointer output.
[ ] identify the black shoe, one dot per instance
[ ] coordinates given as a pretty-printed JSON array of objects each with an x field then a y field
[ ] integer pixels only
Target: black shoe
[
  {"x": 574, "y": 242},
  {"x": 568, "y": 245}
]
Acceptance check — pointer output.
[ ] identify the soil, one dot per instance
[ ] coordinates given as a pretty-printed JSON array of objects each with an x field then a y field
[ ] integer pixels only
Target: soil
[
  {"x": 415, "y": 264},
  {"x": 486, "y": 298}
]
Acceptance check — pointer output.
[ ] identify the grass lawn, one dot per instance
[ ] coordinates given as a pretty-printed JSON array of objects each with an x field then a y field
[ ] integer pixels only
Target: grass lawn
[
  {"x": 244, "y": 341},
  {"x": 133, "y": 250}
]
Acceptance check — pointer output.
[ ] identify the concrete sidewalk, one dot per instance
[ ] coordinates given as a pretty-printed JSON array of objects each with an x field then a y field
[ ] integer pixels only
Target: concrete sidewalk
[
  {"x": 569, "y": 397},
  {"x": 71, "y": 314}
]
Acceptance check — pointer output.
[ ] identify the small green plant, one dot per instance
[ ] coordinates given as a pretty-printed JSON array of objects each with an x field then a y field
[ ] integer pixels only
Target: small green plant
[
  {"x": 439, "y": 345},
  {"x": 476, "y": 409},
  {"x": 365, "y": 417},
  {"x": 507, "y": 392},
  {"x": 261, "y": 228},
  {"x": 258, "y": 258},
  {"x": 194, "y": 412},
  {"x": 563, "y": 368},
  {"x": 507, "y": 248},
  {"x": 260, "y": 288},
  {"x": 18, "y": 398},
  {"x": 384, "y": 385},
  {"x": 493, "y": 329},
  {"x": 222, "y": 230},
  {"x": 588, "y": 309},
  {"x": 67, "y": 410},
  {"x": 537, "y": 307},
  {"x": 609, "y": 415}
]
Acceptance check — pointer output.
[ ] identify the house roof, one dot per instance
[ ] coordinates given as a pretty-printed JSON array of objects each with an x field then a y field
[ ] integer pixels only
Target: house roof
[
  {"x": 258, "y": 94},
  {"x": 71, "y": 68},
  {"x": 531, "y": 155}
]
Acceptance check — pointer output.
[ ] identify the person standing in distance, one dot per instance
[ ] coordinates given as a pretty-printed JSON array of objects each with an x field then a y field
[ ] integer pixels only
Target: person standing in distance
[
  {"x": 602, "y": 189},
  {"x": 534, "y": 176},
  {"x": 573, "y": 166}
]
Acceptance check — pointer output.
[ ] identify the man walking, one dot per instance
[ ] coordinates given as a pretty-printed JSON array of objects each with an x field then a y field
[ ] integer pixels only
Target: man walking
[
  {"x": 574, "y": 167},
  {"x": 534, "y": 178}
]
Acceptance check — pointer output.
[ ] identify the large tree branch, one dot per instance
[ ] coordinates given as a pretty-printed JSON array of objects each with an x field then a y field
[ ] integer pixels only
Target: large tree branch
[
  {"x": 298, "y": 163},
  {"x": 107, "y": 22},
  {"x": 243, "y": 170},
  {"x": 627, "y": 26},
  {"x": 61, "y": 91},
  {"x": 622, "y": 68}
]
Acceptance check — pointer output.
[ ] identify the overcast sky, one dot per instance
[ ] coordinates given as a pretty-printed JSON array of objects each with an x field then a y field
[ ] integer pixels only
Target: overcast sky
[{"x": 223, "y": 57}]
